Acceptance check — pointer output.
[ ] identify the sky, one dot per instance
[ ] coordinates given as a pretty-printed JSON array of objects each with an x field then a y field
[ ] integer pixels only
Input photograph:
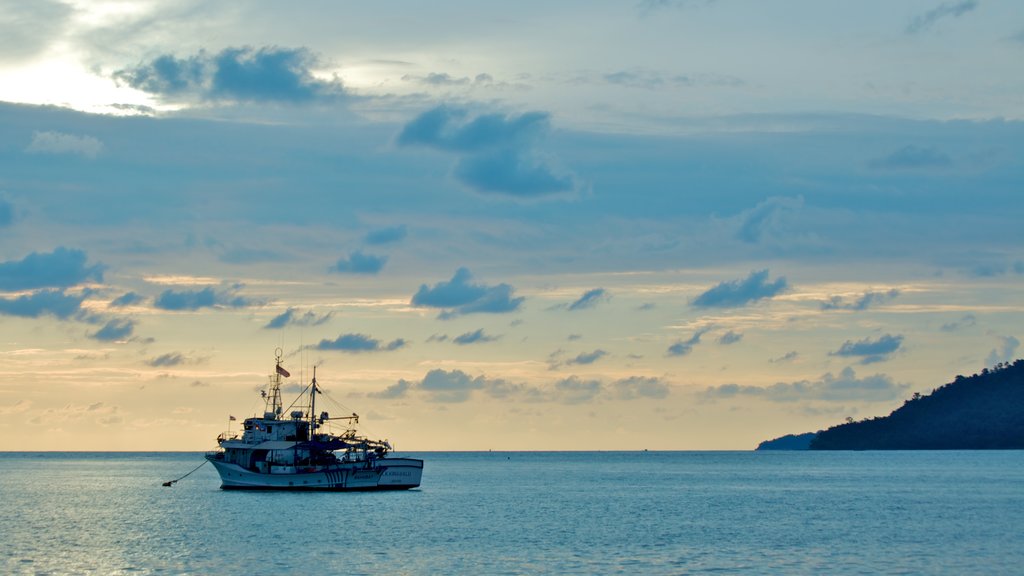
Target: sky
[{"x": 659, "y": 224}]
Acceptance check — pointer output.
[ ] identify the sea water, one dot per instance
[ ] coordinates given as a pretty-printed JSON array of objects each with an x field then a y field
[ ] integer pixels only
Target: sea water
[{"x": 527, "y": 513}]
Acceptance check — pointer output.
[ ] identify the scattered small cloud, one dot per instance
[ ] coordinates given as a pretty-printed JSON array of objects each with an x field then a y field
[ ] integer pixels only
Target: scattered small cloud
[
  {"x": 737, "y": 293},
  {"x": 61, "y": 143},
  {"x": 357, "y": 343},
  {"x": 863, "y": 302},
  {"x": 246, "y": 74},
  {"x": 870, "y": 351},
  {"x": 787, "y": 357},
  {"x": 845, "y": 387},
  {"x": 770, "y": 218},
  {"x": 114, "y": 331},
  {"x": 925, "y": 21},
  {"x": 61, "y": 268},
  {"x": 912, "y": 157},
  {"x": 684, "y": 347},
  {"x": 497, "y": 153},
  {"x": 292, "y": 317},
  {"x": 585, "y": 358},
  {"x": 360, "y": 263},
  {"x": 176, "y": 300},
  {"x": 126, "y": 299},
  {"x": 396, "y": 390},
  {"x": 475, "y": 337},
  {"x": 1005, "y": 352},
  {"x": 460, "y": 296},
  {"x": 967, "y": 321},
  {"x": 730, "y": 337},
  {"x": 589, "y": 299},
  {"x": 640, "y": 387},
  {"x": 390, "y": 235},
  {"x": 168, "y": 360}
]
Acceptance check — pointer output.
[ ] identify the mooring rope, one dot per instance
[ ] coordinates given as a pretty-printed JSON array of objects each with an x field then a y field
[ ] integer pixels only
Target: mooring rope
[{"x": 171, "y": 482}]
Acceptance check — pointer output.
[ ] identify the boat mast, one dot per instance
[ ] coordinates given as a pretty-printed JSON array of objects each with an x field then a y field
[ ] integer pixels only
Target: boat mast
[
  {"x": 312, "y": 406},
  {"x": 274, "y": 399}
]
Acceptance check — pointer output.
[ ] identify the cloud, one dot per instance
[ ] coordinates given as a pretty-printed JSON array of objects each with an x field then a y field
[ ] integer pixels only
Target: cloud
[
  {"x": 496, "y": 152},
  {"x": 912, "y": 158},
  {"x": 386, "y": 235},
  {"x": 869, "y": 350},
  {"x": 589, "y": 299},
  {"x": 114, "y": 331},
  {"x": 829, "y": 388},
  {"x": 6, "y": 213},
  {"x": 357, "y": 343},
  {"x": 196, "y": 299},
  {"x": 730, "y": 337},
  {"x": 474, "y": 337},
  {"x": 460, "y": 296},
  {"x": 573, "y": 390},
  {"x": 167, "y": 360},
  {"x": 787, "y": 357},
  {"x": 126, "y": 299},
  {"x": 1006, "y": 351},
  {"x": 636, "y": 387},
  {"x": 770, "y": 218},
  {"x": 246, "y": 74},
  {"x": 61, "y": 268},
  {"x": 966, "y": 321},
  {"x": 53, "y": 302},
  {"x": 684, "y": 347},
  {"x": 359, "y": 263},
  {"x": 587, "y": 357},
  {"x": 60, "y": 143},
  {"x": 290, "y": 317},
  {"x": 925, "y": 21},
  {"x": 396, "y": 390},
  {"x": 741, "y": 292},
  {"x": 864, "y": 302}
]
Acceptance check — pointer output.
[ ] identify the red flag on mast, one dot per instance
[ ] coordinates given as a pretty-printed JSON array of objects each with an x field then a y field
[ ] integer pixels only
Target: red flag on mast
[{"x": 282, "y": 371}]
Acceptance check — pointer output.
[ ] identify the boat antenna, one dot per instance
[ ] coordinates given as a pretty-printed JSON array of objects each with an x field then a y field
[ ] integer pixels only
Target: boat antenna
[
  {"x": 312, "y": 406},
  {"x": 273, "y": 405}
]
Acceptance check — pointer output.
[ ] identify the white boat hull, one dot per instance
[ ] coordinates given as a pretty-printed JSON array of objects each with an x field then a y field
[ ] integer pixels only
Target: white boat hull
[{"x": 385, "y": 474}]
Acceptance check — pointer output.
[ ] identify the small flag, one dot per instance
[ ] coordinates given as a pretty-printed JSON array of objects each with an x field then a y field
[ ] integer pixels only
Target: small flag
[
  {"x": 282, "y": 371},
  {"x": 232, "y": 418}
]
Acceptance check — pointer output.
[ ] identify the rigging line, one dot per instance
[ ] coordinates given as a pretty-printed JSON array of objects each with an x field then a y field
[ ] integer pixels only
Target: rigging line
[{"x": 170, "y": 483}]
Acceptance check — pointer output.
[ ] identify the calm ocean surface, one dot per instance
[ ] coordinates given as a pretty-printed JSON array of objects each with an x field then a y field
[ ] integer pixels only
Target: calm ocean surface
[{"x": 528, "y": 513}]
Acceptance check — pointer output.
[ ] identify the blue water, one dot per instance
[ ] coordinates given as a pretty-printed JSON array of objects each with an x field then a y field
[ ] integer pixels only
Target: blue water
[{"x": 528, "y": 513}]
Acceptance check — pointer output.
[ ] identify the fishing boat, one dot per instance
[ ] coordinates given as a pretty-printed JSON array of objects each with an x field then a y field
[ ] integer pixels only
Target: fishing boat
[{"x": 300, "y": 452}]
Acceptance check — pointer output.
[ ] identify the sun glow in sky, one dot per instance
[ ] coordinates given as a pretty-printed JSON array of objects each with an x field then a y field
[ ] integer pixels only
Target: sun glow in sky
[{"x": 683, "y": 224}]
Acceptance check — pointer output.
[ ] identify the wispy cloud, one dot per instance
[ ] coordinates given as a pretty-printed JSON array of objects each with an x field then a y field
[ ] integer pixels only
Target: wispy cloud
[
  {"x": 863, "y": 302},
  {"x": 684, "y": 347},
  {"x": 360, "y": 263},
  {"x": 912, "y": 157},
  {"x": 730, "y": 337},
  {"x": 870, "y": 351},
  {"x": 1005, "y": 352},
  {"x": 390, "y": 235},
  {"x": 496, "y": 152},
  {"x": 461, "y": 296},
  {"x": 736, "y": 293},
  {"x": 360, "y": 343},
  {"x": 115, "y": 330},
  {"x": 589, "y": 299},
  {"x": 474, "y": 337},
  {"x": 291, "y": 317},
  {"x": 845, "y": 387},
  {"x": 60, "y": 143},
  {"x": 925, "y": 21},
  {"x": 196, "y": 299}
]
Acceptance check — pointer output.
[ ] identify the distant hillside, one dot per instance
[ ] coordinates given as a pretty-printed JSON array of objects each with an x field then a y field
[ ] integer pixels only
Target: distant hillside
[
  {"x": 789, "y": 442},
  {"x": 983, "y": 411}
]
